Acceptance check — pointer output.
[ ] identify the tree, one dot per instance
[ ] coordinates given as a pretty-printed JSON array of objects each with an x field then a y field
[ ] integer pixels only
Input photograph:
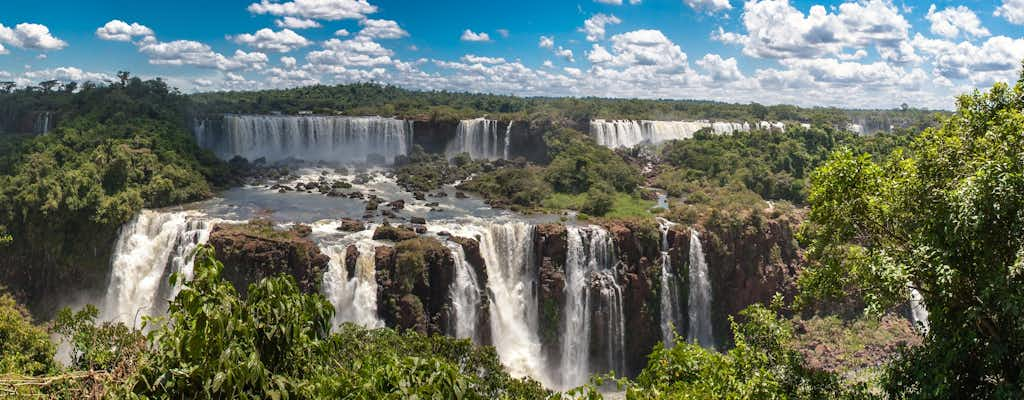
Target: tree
[
  {"x": 7, "y": 86},
  {"x": 123, "y": 77},
  {"x": 49, "y": 85},
  {"x": 946, "y": 218}
]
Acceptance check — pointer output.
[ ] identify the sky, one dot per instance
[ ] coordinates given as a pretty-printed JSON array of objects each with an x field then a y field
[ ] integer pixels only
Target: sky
[{"x": 853, "y": 54}]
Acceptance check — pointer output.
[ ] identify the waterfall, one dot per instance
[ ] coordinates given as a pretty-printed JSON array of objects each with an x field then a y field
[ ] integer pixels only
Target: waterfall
[
  {"x": 670, "y": 310},
  {"x": 627, "y": 133},
  {"x": 354, "y": 297},
  {"x": 918, "y": 312},
  {"x": 611, "y": 305},
  {"x": 309, "y": 138},
  {"x": 149, "y": 248},
  {"x": 479, "y": 138},
  {"x": 465, "y": 295},
  {"x": 508, "y": 139},
  {"x": 700, "y": 295},
  {"x": 590, "y": 250},
  {"x": 41, "y": 126}
]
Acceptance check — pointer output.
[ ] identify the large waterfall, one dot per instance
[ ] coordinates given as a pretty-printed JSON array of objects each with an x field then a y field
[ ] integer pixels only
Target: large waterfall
[
  {"x": 670, "y": 310},
  {"x": 43, "y": 123},
  {"x": 629, "y": 133},
  {"x": 309, "y": 138},
  {"x": 480, "y": 138},
  {"x": 465, "y": 294},
  {"x": 700, "y": 295},
  {"x": 149, "y": 248},
  {"x": 354, "y": 297}
]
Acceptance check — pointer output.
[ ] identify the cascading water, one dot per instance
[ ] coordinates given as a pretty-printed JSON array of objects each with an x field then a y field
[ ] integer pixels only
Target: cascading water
[
  {"x": 670, "y": 310},
  {"x": 479, "y": 138},
  {"x": 508, "y": 139},
  {"x": 42, "y": 124},
  {"x": 627, "y": 133},
  {"x": 149, "y": 248},
  {"x": 918, "y": 312},
  {"x": 465, "y": 295},
  {"x": 354, "y": 297},
  {"x": 611, "y": 305},
  {"x": 309, "y": 138},
  {"x": 590, "y": 250},
  {"x": 700, "y": 330}
]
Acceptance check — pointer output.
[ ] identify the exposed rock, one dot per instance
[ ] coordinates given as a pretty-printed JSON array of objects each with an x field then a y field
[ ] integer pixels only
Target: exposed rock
[
  {"x": 351, "y": 225},
  {"x": 419, "y": 196},
  {"x": 371, "y": 205},
  {"x": 397, "y": 204},
  {"x": 420, "y": 269},
  {"x": 418, "y": 220},
  {"x": 393, "y": 233},
  {"x": 550, "y": 248},
  {"x": 460, "y": 195},
  {"x": 351, "y": 259},
  {"x": 257, "y": 250}
]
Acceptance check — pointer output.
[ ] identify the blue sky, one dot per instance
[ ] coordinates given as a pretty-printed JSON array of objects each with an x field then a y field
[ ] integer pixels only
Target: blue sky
[{"x": 856, "y": 53}]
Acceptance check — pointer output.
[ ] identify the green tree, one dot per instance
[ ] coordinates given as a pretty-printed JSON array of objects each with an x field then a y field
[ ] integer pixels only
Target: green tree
[
  {"x": 945, "y": 217},
  {"x": 24, "y": 347}
]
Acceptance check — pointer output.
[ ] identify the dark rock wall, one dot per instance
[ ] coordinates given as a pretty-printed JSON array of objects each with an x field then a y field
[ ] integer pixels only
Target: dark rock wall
[
  {"x": 413, "y": 281},
  {"x": 250, "y": 253}
]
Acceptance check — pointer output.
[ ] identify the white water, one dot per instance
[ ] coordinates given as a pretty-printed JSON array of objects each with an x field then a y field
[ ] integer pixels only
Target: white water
[
  {"x": 309, "y": 138},
  {"x": 611, "y": 296},
  {"x": 629, "y": 133},
  {"x": 589, "y": 250},
  {"x": 465, "y": 295},
  {"x": 918, "y": 311},
  {"x": 42, "y": 123},
  {"x": 354, "y": 298},
  {"x": 670, "y": 310},
  {"x": 149, "y": 248},
  {"x": 479, "y": 138},
  {"x": 508, "y": 138},
  {"x": 700, "y": 296}
]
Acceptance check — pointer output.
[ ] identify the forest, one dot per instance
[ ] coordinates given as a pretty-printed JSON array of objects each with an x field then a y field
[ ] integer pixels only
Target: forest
[{"x": 936, "y": 207}]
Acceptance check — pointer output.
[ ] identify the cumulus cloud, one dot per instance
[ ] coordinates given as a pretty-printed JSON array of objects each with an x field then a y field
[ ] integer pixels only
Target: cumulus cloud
[
  {"x": 775, "y": 29},
  {"x": 594, "y": 27},
  {"x": 473, "y": 59},
  {"x": 357, "y": 52},
  {"x": 998, "y": 58},
  {"x": 296, "y": 23},
  {"x": 1012, "y": 10},
  {"x": 66, "y": 74},
  {"x": 281, "y": 41},
  {"x": 342, "y": 32},
  {"x": 720, "y": 70},
  {"x": 30, "y": 36},
  {"x": 565, "y": 53},
  {"x": 121, "y": 31},
  {"x": 381, "y": 29},
  {"x": 546, "y": 42},
  {"x": 953, "y": 20},
  {"x": 329, "y": 10},
  {"x": 470, "y": 36},
  {"x": 188, "y": 52},
  {"x": 288, "y": 62},
  {"x": 709, "y": 6}
]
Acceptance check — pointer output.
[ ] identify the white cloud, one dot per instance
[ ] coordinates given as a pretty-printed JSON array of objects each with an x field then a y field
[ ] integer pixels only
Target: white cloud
[
  {"x": 296, "y": 23},
  {"x": 548, "y": 64},
  {"x": 473, "y": 59},
  {"x": 720, "y": 70},
  {"x": 3, "y": 50},
  {"x": 357, "y": 52},
  {"x": 281, "y": 41},
  {"x": 288, "y": 62},
  {"x": 951, "y": 21},
  {"x": 594, "y": 27},
  {"x": 546, "y": 42},
  {"x": 470, "y": 36},
  {"x": 1012, "y": 10},
  {"x": 775, "y": 29},
  {"x": 503, "y": 33},
  {"x": 30, "y": 36},
  {"x": 188, "y": 52},
  {"x": 709, "y": 6},
  {"x": 66, "y": 74},
  {"x": 330, "y": 10},
  {"x": 342, "y": 32},
  {"x": 998, "y": 58},
  {"x": 645, "y": 48},
  {"x": 565, "y": 53},
  {"x": 121, "y": 31},
  {"x": 617, "y": 2},
  {"x": 381, "y": 29}
]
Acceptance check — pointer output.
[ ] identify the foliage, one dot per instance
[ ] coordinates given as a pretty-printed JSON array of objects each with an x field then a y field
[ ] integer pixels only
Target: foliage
[
  {"x": 97, "y": 346},
  {"x": 946, "y": 218},
  {"x": 775, "y": 165},
  {"x": 423, "y": 172},
  {"x": 24, "y": 347},
  {"x": 761, "y": 366}
]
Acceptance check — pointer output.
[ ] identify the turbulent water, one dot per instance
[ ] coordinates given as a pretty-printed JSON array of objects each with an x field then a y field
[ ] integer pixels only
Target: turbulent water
[
  {"x": 481, "y": 139},
  {"x": 354, "y": 297},
  {"x": 149, "y": 248},
  {"x": 700, "y": 296},
  {"x": 669, "y": 296},
  {"x": 309, "y": 138},
  {"x": 466, "y": 295},
  {"x": 629, "y": 133},
  {"x": 918, "y": 312}
]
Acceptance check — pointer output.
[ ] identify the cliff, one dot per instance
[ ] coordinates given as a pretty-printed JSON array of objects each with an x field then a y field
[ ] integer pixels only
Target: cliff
[{"x": 257, "y": 250}]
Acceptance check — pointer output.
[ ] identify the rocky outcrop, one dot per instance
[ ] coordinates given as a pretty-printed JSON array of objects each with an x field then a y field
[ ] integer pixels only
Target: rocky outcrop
[
  {"x": 471, "y": 248},
  {"x": 257, "y": 250},
  {"x": 550, "y": 249},
  {"x": 750, "y": 258},
  {"x": 413, "y": 281}
]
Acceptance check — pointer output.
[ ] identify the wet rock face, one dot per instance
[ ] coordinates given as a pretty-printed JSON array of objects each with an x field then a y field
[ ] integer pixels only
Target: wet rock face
[
  {"x": 420, "y": 269},
  {"x": 550, "y": 247},
  {"x": 637, "y": 248},
  {"x": 749, "y": 263},
  {"x": 471, "y": 247},
  {"x": 257, "y": 250}
]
